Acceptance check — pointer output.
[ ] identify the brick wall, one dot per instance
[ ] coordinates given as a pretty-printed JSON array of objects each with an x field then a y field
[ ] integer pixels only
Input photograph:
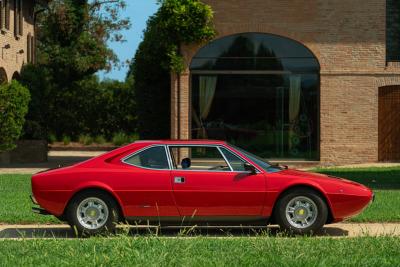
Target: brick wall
[
  {"x": 12, "y": 58},
  {"x": 348, "y": 38}
]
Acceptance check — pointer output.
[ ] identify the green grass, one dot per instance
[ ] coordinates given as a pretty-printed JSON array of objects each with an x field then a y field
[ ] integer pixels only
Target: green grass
[
  {"x": 385, "y": 208},
  {"x": 16, "y": 206},
  {"x": 376, "y": 178},
  {"x": 202, "y": 251},
  {"x": 386, "y": 184}
]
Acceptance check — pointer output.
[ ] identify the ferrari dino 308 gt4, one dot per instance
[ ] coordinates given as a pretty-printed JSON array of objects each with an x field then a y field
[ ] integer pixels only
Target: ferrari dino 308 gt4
[{"x": 199, "y": 182}]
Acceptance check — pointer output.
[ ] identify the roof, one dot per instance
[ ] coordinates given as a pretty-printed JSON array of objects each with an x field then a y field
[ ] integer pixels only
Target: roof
[{"x": 184, "y": 142}]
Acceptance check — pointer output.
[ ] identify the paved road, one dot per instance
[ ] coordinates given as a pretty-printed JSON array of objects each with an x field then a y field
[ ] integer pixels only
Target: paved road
[
  {"x": 334, "y": 230},
  {"x": 55, "y": 159}
]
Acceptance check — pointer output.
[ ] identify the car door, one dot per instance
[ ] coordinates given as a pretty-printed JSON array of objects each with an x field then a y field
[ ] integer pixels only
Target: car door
[
  {"x": 206, "y": 185},
  {"x": 147, "y": 190}
]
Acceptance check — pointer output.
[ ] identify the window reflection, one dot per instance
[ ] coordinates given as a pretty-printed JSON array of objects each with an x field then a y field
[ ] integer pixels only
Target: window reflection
[{"x": 269, "y": 105}]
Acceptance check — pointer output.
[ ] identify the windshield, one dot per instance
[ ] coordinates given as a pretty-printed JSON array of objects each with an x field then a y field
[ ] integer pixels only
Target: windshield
[{"x": 266, "y": 165}]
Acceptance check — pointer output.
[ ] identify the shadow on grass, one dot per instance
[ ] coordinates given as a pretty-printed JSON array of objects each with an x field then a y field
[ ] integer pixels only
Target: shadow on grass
[
  {"x": 66, "y": 232},
  {"x": 375, "y": 178}
]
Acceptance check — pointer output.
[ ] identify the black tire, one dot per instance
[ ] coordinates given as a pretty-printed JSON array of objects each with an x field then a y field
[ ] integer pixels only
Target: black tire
[
  {"x": 108, "y": 224},
  {"x": 282, "y": 203}
]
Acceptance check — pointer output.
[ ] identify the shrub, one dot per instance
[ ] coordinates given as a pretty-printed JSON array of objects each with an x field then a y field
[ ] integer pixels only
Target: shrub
[
  {"x": 87, "y": 106},
  {"x": 134, "y": 137},
  {"x": 85, "y": 139},
  {"x": 14, "y": 100},
  {"x": 33, "y": 130},
  {"x": 120, "y": 139},
  {"x": 66, "y": 140},
  {"x": 52, "y": 138},
  {"x": 99, "y": 139}
]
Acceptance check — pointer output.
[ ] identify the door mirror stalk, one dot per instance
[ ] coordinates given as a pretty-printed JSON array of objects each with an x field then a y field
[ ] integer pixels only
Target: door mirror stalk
[{"x": 250, "y": 168}]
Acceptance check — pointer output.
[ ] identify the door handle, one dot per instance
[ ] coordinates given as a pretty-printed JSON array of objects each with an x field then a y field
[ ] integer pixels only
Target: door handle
[{"x": 179, "y": 180}]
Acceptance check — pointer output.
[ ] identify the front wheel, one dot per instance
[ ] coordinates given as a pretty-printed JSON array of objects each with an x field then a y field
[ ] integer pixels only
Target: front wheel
[
  {"x": 301, "y": 211},
  {"x": 92, "y": 212}
]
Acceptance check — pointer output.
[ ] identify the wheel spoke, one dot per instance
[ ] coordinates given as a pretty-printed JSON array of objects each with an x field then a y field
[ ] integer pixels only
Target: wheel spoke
[
  {"x": 92, "y": 213},
  {"x": 301, "y": 212}
]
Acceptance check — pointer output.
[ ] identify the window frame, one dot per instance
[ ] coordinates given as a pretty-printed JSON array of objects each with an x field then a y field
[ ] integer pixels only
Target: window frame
[
  {"x": 7, "y": 15},
  {"x": 171, "y": 166},
  {"x": 18, "y": 18},
  {"x": 219, "y": 150},
  {"x": 123, "y": 160}
]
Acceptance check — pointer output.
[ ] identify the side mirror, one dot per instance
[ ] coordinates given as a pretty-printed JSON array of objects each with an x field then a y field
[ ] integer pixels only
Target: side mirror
[{"x": 250, "y": 168}]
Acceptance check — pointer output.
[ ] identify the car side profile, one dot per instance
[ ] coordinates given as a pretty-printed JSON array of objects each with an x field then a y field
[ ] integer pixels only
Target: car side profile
[{"x": 199, "y": 182}]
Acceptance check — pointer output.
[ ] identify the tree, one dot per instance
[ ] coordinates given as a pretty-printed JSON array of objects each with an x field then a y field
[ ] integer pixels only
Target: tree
[
  {"x": 177, "y": 22},
  {"x": 73, "y": 35},
  {"x": 72, "y": 46},
  {"x": 14, "y": 99}
]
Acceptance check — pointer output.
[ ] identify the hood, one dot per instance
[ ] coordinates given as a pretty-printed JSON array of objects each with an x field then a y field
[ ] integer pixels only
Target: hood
[{"x": 318, "y": 176}]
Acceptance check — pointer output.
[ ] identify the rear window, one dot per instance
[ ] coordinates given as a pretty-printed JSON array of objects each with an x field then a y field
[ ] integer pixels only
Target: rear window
[{"x": 151, "y": 158}]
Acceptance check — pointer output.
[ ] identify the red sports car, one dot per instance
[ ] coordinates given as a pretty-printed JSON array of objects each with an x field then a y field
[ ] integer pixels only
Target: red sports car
[{"x": 193, "y": 182}]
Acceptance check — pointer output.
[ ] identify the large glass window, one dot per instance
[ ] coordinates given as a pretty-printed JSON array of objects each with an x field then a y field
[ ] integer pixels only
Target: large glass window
[{"x": 260, "y": 92}]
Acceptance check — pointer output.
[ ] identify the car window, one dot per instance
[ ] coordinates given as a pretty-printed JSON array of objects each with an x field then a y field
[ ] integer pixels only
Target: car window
[
  {"x": 199, "y": 158},
  {"x": 153, "y": 158},
  {"x": 236, "y": 163}
]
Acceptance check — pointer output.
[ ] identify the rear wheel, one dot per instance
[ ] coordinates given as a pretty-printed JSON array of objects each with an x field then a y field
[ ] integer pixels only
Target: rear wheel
[
  {"x": 301, "y": 211},
  {"x": 93, "y": 212}
]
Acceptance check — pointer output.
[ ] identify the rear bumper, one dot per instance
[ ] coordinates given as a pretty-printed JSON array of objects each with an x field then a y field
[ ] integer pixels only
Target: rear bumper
[
  {"x": 38, "y": 210},
  {"x": 33, "y": 199}
]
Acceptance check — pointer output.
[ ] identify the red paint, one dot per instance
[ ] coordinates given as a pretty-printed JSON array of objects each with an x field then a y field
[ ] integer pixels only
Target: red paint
[{"x": 153, "y": 193}]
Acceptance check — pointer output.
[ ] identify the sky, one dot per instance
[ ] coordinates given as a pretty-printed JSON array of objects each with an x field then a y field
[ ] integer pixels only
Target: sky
[{"x": 138, "y": 11}]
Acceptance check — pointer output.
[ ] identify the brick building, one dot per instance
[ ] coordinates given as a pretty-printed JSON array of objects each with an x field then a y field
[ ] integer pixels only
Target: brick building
[
  {"x": 16, "y": 36},
  {"x": 314, "y": 80}
]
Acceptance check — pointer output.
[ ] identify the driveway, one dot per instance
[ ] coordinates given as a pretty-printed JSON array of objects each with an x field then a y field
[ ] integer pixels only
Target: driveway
[{"x": 55, "y": 159}]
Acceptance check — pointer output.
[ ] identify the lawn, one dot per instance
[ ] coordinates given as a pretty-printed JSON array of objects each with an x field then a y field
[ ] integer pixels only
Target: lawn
[
  {"x": 202, "y": 251},
  {"x": 376, "y": 178},
  {"x": 16, "y": 205},
  {"x": 386, "y": 184}
]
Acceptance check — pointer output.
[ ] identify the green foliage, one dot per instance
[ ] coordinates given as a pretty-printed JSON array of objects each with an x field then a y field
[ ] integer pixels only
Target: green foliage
[
  {"x": 52, "y": 138},
  {"x": 177, "y": 22},
  {"x": 99, "y": 139},
  {"x": 66, "y": 140},
  {"x": 86, "y": 106},
  {"x": 73, "y": 35},
  {"x": 85, "y": 139},
  {"x": 225, "y": 250},
  {"x": 14, "y": 100},
  {"x": 183, "y": 22},
  {"x": 120, "y": 139},
  {"x": 67, "y": 97}
]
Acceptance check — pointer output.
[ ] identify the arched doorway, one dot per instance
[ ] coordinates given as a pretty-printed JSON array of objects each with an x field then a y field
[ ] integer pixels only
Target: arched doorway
[
  {"x": 3, "y": 76},
  {"x": 260, "y": 92},
  {"x": 16, "y": 76},
  {"x": 389, "y": 123}
]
